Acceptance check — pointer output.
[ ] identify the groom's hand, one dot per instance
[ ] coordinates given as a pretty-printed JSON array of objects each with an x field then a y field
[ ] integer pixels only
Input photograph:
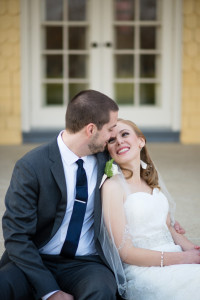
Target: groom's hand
[
  {"x": 61, "y": 296},
  {"x": 178, "y": 228}
]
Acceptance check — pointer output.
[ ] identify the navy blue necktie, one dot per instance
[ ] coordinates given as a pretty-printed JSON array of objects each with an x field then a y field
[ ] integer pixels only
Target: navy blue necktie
[{"x": 75, "y": 225}]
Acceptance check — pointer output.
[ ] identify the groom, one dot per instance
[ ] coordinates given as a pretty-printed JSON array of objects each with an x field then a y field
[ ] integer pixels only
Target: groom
[{"x": 52, "y": 218}]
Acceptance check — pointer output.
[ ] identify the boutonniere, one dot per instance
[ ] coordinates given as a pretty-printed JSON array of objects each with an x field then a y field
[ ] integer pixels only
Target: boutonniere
[{"x": 110, "y": 170}]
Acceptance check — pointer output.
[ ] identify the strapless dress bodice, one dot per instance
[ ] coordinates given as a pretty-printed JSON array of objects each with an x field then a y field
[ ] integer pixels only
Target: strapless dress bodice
[{"x": 146, "y": 216}]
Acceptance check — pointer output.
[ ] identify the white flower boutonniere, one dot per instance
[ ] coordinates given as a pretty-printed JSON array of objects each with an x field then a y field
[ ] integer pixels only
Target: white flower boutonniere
[{"x": 110, "y": 170}]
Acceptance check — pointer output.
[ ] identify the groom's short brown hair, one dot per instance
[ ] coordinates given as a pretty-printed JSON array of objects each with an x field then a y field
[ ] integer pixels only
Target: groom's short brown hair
[{"x": 86, "y": 107}]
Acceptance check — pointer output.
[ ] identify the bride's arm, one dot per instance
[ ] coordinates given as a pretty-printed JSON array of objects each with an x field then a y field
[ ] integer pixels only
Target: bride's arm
[
  {"x": 180, "y": 239},
  {"x": 117, "y": 227}
]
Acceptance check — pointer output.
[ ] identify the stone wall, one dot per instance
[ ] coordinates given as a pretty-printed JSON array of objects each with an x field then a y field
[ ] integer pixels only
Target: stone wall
[{"x": 10, "y": 98}]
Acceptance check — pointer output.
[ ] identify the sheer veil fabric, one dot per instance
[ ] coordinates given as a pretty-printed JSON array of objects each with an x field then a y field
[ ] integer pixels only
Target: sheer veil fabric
[{"x": 114, "y": 224}]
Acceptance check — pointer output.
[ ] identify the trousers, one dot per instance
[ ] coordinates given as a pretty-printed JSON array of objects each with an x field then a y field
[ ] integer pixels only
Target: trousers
[{"x": 85, "y": 277}]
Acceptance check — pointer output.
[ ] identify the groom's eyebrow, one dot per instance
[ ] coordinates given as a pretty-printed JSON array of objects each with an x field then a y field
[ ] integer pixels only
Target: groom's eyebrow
[{"x": 112, "y": 127}]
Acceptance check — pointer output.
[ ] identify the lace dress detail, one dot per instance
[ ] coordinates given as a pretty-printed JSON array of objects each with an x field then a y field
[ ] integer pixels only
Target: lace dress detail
[
  {"x": 126, "y": 237},
  {"x": 160, "y": 238},
  {"x": 146, "y": 215}
]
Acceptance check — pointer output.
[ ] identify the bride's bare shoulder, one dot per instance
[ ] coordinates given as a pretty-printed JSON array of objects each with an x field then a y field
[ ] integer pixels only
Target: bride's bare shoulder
[
  {"x": 112, "y": 192},
  {"x": 111, "y": 184}
]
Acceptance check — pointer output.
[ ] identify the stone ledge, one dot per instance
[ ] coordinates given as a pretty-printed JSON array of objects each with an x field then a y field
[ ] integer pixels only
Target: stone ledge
[{"x": 152, "y": 135}]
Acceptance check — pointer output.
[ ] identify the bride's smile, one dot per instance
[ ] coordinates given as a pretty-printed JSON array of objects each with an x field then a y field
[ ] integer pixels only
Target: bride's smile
[{"x": 122, "y": 150}]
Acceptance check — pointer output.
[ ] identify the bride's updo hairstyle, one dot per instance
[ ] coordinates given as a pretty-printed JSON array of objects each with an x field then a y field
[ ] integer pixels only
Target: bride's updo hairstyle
[{"x": 149, "y": 174}]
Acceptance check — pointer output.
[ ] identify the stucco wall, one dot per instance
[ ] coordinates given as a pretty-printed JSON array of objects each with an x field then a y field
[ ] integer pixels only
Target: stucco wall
[
  {"x": 190, "y": 132},
  {"x": 10, "y": 99}
]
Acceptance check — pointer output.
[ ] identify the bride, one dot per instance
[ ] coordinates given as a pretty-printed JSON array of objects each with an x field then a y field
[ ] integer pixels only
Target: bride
[{"x": 149, "y": 258}]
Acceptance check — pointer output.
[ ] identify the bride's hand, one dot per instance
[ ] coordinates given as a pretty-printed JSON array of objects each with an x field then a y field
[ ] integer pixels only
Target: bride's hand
[
  {"x": 179, "y": 228},
  {"x": 60, "y": 295},
  {"x": 192, "y": 256}
]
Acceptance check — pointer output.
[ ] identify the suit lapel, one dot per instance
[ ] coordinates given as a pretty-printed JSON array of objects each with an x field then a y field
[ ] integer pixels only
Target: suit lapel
[
  {"x": 101, "y": 161},
  {"x": 57, "y": 170}
]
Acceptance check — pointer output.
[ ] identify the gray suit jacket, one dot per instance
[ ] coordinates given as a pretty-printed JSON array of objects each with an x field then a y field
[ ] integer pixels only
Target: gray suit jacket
[{"x": 35, "y": 206}]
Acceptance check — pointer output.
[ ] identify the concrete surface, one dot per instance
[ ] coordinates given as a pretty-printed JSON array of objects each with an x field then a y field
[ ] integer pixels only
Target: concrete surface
[{"x": 178, "y": 164}]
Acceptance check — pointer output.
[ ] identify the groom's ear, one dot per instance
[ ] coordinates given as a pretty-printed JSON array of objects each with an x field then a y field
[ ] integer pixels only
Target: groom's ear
[{"x": 90, "y": 129}]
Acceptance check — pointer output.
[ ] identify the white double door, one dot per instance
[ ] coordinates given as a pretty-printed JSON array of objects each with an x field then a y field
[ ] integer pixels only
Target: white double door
[{"x": 104, "y": 66}]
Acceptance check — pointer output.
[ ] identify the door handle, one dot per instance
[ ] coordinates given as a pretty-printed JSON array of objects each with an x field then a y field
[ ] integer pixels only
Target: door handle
[
  {"x": 94, "y": 45},
  {"x": 108, "y": 44}
]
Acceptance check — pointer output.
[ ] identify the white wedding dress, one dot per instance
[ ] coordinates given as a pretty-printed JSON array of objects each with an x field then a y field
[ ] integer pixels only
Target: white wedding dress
[{"x": 146, "y": 216}]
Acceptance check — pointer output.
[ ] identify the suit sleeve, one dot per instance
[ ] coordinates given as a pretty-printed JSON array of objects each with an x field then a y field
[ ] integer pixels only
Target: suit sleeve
[{"x": 19, "y": 227}]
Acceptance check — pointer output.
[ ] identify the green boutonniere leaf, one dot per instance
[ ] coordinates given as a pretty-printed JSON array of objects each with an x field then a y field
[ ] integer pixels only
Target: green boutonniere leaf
[{"x": 108, "y": 168}]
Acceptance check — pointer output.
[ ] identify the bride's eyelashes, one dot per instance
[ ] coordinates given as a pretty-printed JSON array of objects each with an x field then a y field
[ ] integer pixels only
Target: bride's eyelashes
[
  {"x": 112, "y": 140},
  {"x": 125, "y": 133}
]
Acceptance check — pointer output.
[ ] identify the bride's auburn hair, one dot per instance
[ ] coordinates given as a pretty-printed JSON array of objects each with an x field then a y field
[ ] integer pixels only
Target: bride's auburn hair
[{"x": 150, "y": 175}]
